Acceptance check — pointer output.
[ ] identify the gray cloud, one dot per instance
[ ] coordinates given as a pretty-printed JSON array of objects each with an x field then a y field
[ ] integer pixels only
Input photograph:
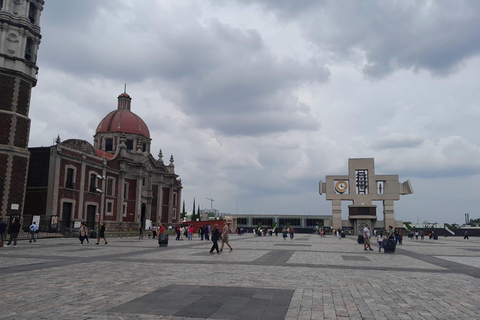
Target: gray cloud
[
  {"x": 433, "y": 35},
  {"x": 398, "y": 141},
  {"x": 257, "y": 107}
]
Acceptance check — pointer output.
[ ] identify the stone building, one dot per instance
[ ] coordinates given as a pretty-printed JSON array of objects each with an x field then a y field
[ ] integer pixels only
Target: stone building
[
  {"x": 19, "y": 42},
  {"x": 116, "y": 180},
  {"x": 361, "y": 187}
]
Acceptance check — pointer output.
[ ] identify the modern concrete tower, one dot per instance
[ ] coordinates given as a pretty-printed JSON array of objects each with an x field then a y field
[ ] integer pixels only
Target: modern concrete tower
[{"x": 19, "y": 41}]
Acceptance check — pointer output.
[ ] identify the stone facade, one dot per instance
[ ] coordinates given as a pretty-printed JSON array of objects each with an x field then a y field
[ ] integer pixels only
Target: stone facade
[
  {"x": 362, "y": 186},
  {"x": 19, "y": 42},
  {"x": 122, "y": 187}
]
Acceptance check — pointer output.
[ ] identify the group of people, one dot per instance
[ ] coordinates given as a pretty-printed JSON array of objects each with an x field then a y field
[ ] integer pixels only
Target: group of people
[
  {"x": 153, "y": 232},
  {"x": 216, "y": 236},
  {"x": 390, "y": 234},
  {"x": 83, "y": 233},
  {"x": 14, "y": 230}
]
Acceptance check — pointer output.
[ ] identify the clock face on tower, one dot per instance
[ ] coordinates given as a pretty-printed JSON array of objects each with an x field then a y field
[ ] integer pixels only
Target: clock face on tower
[{"x": 341, "y": 186}]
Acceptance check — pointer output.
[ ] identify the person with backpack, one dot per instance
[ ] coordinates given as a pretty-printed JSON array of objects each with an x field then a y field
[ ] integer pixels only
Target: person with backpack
[
  {"x": 33, "y": 228},
  {"x": 83, "y": 232}
]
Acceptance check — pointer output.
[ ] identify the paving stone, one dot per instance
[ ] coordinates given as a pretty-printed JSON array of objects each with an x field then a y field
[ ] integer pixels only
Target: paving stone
[{"x": 324, "y": 279}]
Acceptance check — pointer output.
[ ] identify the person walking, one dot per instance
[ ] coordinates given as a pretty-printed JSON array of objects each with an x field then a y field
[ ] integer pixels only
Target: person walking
[
  {"x": 226, "y": 228},
  {"x": 190, "y": 232},
  {"x": 13, "y": 230},
  {"x": 82, "y": 233},
  {"x": 284, "y": 233},
  {"x": 3, "y": 231},
  {"x": 177, "y": 230},
  {"x": 292, "y": 232},
  {"x": 140, "y": 236},
  {"x": 366, "y": 238},
  {"x": 182, "y": 231},
  {"x": 206, "y": 230},
  {"x": 465, "y": 235},
  {"x": 101, "y": 234},
  {"x": 215, "y": 238},
  {"x": 33, "y": 228},
  {"x": 200, "y": 231},
  {"x": 379, "y": 241}
]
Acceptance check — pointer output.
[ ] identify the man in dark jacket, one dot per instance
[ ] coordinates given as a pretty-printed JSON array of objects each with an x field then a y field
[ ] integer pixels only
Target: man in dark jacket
[
  {"x": 13, "y": 230},
  {"x": 215, "y": 238}
]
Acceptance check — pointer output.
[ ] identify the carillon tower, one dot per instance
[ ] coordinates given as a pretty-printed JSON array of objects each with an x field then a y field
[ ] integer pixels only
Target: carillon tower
[{"x": 19, "y": 42}]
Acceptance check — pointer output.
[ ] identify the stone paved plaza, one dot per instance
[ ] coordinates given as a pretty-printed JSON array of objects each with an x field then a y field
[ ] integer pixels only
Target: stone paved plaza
[{"x": 262, "y": 278}]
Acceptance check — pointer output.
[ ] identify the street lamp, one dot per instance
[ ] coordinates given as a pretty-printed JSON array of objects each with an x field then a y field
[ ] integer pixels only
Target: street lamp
[{"x": 211, "y": 204}]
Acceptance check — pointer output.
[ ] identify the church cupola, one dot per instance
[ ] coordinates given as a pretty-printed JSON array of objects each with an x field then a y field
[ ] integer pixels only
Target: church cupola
[{"x": 124, "y": 101}]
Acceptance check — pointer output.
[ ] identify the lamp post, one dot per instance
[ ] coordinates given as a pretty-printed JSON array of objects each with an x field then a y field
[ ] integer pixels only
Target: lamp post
[{"x": 211, "y": 204}]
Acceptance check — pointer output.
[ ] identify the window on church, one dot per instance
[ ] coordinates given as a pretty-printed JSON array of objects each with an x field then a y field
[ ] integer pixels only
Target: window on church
[
  {"x": 125, "y": 191},
  {"x": 32, "y": 14},
  {"x": 129, "y": 144},
  {"x": 93, "y": 182},
  {"x": 109, "y": 145},
  {"x": 29, "y": 48},
  {"x": 110, "y": 182},
  {"x": 124, "y": 210},
  {"x": 1, "y": 4},
  {"x": 109, "y": 208},
  {"x": 69, "y": 181},
  {"x": 144, "y": 147}
]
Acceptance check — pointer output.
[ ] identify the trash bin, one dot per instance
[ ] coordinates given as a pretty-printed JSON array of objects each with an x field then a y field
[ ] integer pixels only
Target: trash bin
[
  {"x": 163, "y": 240},
  {"x": 360, "y": 239},
  {"x": 342, "y": 235}
]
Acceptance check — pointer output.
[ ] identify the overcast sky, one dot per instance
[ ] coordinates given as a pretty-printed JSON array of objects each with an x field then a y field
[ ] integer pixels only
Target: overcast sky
[{"x": 259, "y": 100}]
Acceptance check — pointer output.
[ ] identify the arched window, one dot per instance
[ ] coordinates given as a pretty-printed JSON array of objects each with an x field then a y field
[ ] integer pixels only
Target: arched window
[{"x": 1, "y": 4}]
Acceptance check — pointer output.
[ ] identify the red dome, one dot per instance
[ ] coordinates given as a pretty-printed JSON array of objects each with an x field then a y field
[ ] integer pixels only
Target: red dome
[{"x": 123, "y": 121}]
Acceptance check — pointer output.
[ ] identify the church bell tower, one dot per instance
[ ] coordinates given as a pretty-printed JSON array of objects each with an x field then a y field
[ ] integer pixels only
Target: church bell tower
[{"x": 19, "y": 42}]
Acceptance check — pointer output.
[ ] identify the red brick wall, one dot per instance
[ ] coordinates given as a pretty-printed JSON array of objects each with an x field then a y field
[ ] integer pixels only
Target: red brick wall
[
  {"x": 22, "y": 131},
  {"x": 7, "y": 85},
  {"x": 5, "y": 127},
  {"x": 23, "y": 101},
  {"x": 17, "y": 184}
]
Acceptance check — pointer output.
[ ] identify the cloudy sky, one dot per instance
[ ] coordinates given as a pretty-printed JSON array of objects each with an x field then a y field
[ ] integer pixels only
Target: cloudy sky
[{"x": 259, "y": 100}]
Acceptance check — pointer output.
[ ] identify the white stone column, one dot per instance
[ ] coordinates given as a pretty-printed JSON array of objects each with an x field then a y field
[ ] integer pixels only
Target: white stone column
[
  {"x": 170, "y": 205},
  {"x": 138, "y": 201},
  {"x": 388, "y": 213},
  {"x": 121, "y": 200},
  {"x": 337, "y": 213}
]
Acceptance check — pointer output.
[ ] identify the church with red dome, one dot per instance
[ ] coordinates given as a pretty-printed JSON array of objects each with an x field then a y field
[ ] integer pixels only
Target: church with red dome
[{"x": 116, "y": 180}]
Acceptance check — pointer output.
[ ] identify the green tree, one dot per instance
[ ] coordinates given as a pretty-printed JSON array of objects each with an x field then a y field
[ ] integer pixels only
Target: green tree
[
  {"x": 193, "y": 211},
  {"x": 184, "y": 213}
]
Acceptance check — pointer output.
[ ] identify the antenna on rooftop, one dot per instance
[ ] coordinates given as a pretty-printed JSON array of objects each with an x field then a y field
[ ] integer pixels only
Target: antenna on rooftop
[{"x": 125, "y": 90}]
